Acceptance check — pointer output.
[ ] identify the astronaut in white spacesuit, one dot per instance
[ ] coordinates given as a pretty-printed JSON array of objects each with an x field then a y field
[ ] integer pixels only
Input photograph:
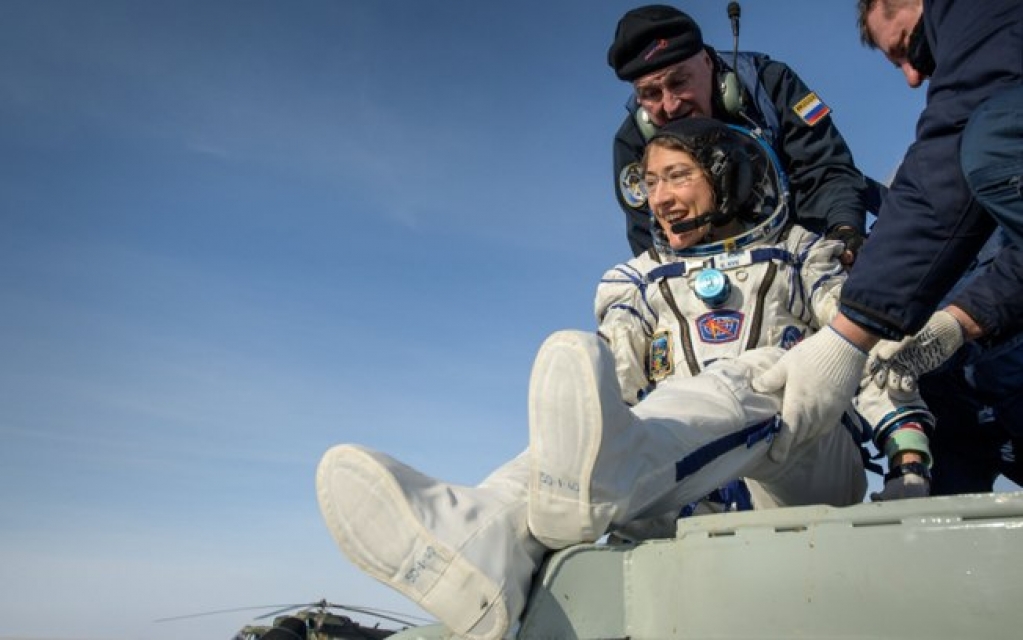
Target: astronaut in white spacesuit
[{"x": 650, "y": 414}]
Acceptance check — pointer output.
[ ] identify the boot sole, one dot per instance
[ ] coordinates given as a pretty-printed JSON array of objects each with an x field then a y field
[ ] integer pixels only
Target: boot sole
[{"x": 354, "y": 486}]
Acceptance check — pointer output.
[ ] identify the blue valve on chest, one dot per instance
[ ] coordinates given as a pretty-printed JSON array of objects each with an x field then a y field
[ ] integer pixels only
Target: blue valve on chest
[{"x": 712, "y": 287}]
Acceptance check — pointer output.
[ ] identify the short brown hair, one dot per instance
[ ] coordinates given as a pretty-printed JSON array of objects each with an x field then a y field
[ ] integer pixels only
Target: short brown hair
[{"x": 863, "y": 7}]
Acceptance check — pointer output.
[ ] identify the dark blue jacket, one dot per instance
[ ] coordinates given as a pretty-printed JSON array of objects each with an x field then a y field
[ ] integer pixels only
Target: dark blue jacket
[{"x": 929, "y": 228}]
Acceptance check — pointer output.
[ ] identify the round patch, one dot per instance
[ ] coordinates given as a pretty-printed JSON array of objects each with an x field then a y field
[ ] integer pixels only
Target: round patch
[
  {"x": 790, "y": 337},
  {"x": 630, "y": 184}
]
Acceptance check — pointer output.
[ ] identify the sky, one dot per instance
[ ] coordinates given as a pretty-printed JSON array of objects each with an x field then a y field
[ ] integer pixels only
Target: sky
[{"x": 236, "y": 233}]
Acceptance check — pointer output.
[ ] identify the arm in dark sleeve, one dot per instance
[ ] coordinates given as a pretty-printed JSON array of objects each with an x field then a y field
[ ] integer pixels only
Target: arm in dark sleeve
[
  {"x": 628, "y": 150},
  {"x": 930, "y": 229},
  {"x": 994, "y": 296},
  {"x": 828, "y": 191}
]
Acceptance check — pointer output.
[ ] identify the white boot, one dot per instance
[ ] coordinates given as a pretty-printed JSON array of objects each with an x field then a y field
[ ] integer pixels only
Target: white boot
[
  {"x": 462, "y": 553},
  {"x": 566, "y": 389},
  {"x": 597, "y": 463}
]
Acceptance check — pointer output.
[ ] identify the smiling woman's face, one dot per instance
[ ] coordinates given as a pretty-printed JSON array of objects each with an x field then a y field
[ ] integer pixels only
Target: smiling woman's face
[{"x": 677, "y": 190}]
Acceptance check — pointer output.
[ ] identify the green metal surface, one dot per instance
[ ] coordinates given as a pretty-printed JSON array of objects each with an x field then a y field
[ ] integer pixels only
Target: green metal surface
[{"x": 932, "y": 568}]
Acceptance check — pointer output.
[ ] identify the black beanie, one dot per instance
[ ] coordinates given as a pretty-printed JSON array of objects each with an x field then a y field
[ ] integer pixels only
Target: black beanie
[{"x": 650, "y": 38}]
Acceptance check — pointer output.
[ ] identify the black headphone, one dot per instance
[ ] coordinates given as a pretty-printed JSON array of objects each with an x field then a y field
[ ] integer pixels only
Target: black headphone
[
  {"x": 729, "y": 89},
  {"x": 730, "y": 92},
  {"x": 731, "y": 173}
]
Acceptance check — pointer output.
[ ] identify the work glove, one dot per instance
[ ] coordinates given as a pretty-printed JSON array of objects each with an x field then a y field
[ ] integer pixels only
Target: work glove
[
  {"x": 906, "y": 481},
  {"x": 819, "y": 377},
  {"x": 897, "y": 365},
  {"x": 852, "y": 241}
]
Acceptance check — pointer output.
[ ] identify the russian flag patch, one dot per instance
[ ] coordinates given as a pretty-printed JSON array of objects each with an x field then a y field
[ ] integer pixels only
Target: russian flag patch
[{"x": 811, "y": 109}]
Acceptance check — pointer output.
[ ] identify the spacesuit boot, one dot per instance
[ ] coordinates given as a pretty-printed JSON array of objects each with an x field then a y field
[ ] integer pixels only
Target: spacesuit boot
[
  {"x": 596, "y": 464},
  {"x": 462, "y": 553}
]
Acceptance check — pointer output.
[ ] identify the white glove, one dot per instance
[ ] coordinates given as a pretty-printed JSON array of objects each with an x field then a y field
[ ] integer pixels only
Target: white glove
[
  {"x": 907, "y": 485},
  {"x": 819, "y": 376},
  {"x": 897, "y": 365}
]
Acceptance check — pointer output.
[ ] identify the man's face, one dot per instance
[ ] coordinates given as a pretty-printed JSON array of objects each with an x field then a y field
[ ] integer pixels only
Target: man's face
[
  {"x": 679, "y": 91},
  {"x": 892, "y": 37}
]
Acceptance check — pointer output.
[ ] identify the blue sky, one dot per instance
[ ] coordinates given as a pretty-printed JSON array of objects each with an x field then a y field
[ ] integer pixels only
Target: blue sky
[{"x": 233, "y": 234}]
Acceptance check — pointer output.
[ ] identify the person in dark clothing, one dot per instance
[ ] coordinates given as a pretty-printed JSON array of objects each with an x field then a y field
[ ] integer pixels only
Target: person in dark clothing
[
  {"x": 959, "y": 180},
  {"x": 977, "y": 402},
  {"x": 660, "y": 51},
  {"x": 977, "y": 396}
]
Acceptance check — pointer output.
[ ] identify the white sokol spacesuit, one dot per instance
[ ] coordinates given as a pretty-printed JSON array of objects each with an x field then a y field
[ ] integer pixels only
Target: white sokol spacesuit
[
  {"x": 663, "y": 325},
  {"x": 625, "y": 427}
]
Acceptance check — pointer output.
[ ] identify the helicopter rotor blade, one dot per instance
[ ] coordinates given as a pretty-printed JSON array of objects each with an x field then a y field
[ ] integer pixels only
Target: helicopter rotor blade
[
  {"x": 393, "y": 616},
  {"x": 234, "y": 610},
  {"x": 284, "y": 609}
]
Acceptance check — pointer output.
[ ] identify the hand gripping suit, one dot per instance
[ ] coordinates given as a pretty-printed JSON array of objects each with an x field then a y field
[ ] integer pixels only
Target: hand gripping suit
[{"x": 599, "y": 458}]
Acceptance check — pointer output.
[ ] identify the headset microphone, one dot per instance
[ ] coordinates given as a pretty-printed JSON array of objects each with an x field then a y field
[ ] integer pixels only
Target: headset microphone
[
  {"x": 688, "y": 225},
  {"x": 731, "y": 93},
  {"x": 716, "y": 218},
  {"x": 734, "y": 10}
]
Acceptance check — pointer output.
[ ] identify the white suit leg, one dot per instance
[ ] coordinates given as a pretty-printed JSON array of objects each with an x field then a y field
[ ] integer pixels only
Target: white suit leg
[
  {"x": 598, "y": 465},
  {"x": 462, "y": 553},
  {"x": 828, "y": 470}
]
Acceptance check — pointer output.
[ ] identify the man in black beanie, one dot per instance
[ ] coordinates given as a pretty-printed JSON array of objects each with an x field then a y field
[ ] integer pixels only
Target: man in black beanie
[{"x": 660, "y": 51}]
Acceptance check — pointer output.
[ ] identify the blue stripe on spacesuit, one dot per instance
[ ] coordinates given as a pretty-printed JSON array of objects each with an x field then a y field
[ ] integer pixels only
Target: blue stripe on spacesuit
[
  {"x": 636, "y": 278},
  {"x": 764, "y": 254},
  {"x": 820, "y": 281},
  {"x": 631, "y": 273},
  {"x": 796, "y": 288},
  {"x": 808, "y": 248},
  {"x": 773, "y": 253},
  {"x": 631, "y": 310},
  {"x": 673, "y": 270},
  {"x": 835, "y": 270},
  {"x": 711, "y": 451}
]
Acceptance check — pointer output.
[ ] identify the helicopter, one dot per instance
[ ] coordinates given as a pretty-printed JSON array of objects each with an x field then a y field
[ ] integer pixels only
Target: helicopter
[{"x": 313, "y": 621}]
